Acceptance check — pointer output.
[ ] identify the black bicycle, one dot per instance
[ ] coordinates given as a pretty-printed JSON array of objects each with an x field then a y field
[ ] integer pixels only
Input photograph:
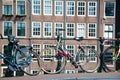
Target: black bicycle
[{"x": 20, "y": 57}]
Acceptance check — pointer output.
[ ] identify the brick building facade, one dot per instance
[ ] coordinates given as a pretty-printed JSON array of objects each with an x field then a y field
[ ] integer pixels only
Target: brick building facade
[{"x": 34, "y": 22}]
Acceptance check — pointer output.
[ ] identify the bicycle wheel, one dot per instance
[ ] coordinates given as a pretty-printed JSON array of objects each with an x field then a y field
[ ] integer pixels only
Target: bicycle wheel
[
  {"x": 28, "y": 61},
  {"x": 108, "y": 58},
  {"x": 51, "y": 61},
  {"x": 88, "y": 59}
]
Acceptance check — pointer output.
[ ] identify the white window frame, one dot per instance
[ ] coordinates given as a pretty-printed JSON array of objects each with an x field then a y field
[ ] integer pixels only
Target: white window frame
[
  {"x": 92, "y": 7},
  {"x": 47, "y": 27},
  {"x": 79, "y": 32},
  {"x": 72, "y": 32},
  {"x": 92, "y": 32},
  {"x": 70, "y": 6},
  {"x": 82, "y": 7},
  {"x": 57, "y": 10},
  {"x": 36, "y": 5},
  {"x": 44, "y": 9},
  {"x": 3, "y": 67},
  {"x": 58, "y": 28},
  {"x": 17, "y": 28},
  {"x": 114, "y": 10},
  {"x": 36, "y": 36},
  {"x": 25, "y": 7}
]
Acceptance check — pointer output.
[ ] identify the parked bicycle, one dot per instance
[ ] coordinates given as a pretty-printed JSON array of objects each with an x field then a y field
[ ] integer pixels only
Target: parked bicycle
[
  {"x": 112, "y": 54},
  {"x": 19, "y": 58},
  {"x": 54, "y": 57}
]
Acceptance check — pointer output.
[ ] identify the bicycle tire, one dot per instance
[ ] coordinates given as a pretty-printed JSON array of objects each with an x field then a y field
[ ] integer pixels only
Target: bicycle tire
[
  {"x": 50, "y": 63},
  {"x": 24, "y": 59},
  {"x": 88, "y": 62},
  {"x": 108, "y": 59}
]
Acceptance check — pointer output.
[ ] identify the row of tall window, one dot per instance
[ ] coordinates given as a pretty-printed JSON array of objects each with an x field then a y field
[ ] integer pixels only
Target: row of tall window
[
  {"x": 57, "y": 8},
  {"x": 49, "y": 29}
]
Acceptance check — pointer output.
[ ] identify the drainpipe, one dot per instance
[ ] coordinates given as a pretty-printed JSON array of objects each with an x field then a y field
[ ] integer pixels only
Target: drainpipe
[
  {"x": 64, "y": 20},
  {"x": 30, "y": 17},
  {"x": 98, "y": 23}
]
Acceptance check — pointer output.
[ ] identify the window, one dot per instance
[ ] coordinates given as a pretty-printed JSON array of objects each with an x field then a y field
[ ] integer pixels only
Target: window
[
  {"x": 91, "y": 30},
  {"x": 8, "y": 10},
  {"x": 81, "y": 29},
  {"x": 47, "y": 7},
  {"x": 70, "y": 29},
  {"x": 47, "y": 29},
  {"x": 36, "y": 29},
  {"x": 92, "y": 55},
  {"x": 47, "y": 53},
  {"x": 70, "y": 8},
  {"x": 87, "y": 52},
  {"x": 7, "y": 28},
  {"x": 70, "y": 71},
  {"x": 36, "y": 48},
  {"x": 109, "y": 9},
  {"x": 58, "y": 7},
  {"x": 57, "y": 27},
  {"x": 3, "y": 71},
  {"x": 21, "y": 29},
  {"x": 36, "y": 6},
  {"x": 92, "y": 8},
  {"x": 21, "y": 7},
  {"x": 70, "y": 49},
  {"x": 108, "y": 33},
  {"x": 81, "y": 8}
]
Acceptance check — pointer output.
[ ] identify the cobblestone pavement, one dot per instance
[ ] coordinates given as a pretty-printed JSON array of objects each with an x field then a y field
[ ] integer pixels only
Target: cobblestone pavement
[{"x": 80, "y": 76}]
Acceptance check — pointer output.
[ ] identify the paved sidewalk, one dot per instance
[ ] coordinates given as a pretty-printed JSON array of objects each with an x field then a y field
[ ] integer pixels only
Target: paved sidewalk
[{"x": 81, "y": 76}]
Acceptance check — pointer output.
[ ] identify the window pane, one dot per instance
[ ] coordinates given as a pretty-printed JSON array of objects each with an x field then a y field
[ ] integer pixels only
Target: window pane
[
  {"x": 92, "y": 8},
  {"x": 47, "y": 7},
  {"x": 7, "y": 28},
  {"x": 36, "y": 29},
  {"x": 57, "y": 27},
  {"x": 36, "y": 6},
  {"x": 58, "y": 7},
  {"x": 48, "y": 29},
  {"x": 108, "y": 31},
  {"x": 20, "y": 29},
  {"x": 81, "y": 30},
  {"x": 70, "y": 30},
  {"x": 21, "y": 7},
  {"x": 92, "y": 30},
  {"x": 81, "y": 8},
  {"x": 109, "y": 9},
  {"x": 8, "y": 9},
  {"x": 70, "y": 8}
]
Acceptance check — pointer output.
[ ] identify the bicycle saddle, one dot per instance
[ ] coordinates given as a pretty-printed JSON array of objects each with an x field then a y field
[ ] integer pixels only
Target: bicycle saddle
[{"x": 79, "y": 38}]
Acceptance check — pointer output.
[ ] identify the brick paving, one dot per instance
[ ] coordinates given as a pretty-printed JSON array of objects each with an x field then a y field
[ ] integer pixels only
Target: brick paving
[{"x": 81, "y": 76}]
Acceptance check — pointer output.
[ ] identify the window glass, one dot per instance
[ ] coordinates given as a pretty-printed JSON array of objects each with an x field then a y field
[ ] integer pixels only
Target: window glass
[
  {"x": 81, "y": 8},
  {"x": 70, "y": 8},
  {"x": 21, "y": 7},
  {"x": 109, "y": 9},
  {"x": 8, "y": 9},
  {"x": 21, "y": 29},
  {"x": 7, "y": 28},
  {"x": 47, "y": 29}
]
